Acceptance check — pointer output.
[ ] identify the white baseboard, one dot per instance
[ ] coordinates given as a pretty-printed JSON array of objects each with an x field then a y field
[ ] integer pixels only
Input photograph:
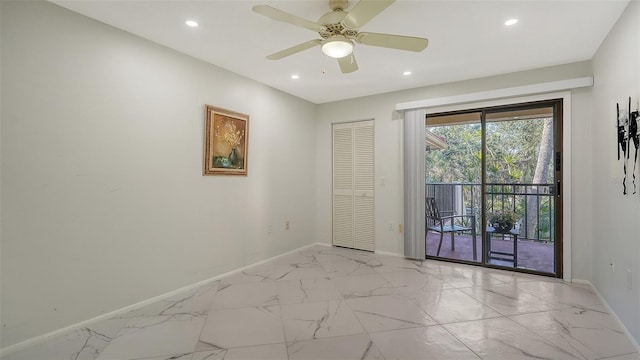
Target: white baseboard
[
  {"x": 581, "y": 281},
  {"x": 388, "y": 253},
  {"x": 610, "y": 310},
  {"x": 38, "y": 339}
]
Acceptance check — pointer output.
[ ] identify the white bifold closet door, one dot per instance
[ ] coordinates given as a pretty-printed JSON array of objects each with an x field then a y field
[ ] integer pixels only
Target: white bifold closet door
[{"x": 353, "y": 185}]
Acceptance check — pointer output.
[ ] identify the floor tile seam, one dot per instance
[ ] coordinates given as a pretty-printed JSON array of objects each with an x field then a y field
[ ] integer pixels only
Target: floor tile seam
[
  {"x": 542, "y": 282},
  {"x": 439, "y": 322},
  {"x": 249, "y": 282},
  {"x": 508, "y": 314},
  {"x": 333, "y": 277},
  {"x": 403, "y": 290},
  {"x": 563, "y": 305},
  {"x": 404, "y": 328},
  {"x": 200, "y": 333},
  {"x": 364, "y": 332},
  {"x": 541, "y": 338},
  {"x": 578, "y": 305},
  {"x": 470, "y": 286},
  {"x": 588, "y": 321},
  {"x": 284, "y": 333},
  {"x": 345, "y": 303},
  {"x": 311, "y": 302},
  {"x": 494, "y": 309},
  {"x": 461, "y": 342},
  {"x": 542, "y": 311},
  {"x": 279, "y": 302},
  {"x": 413, "y": 302},
  {"x": 472, "y": 320},
  {"x": 518, "y": 278},
  {"x": 486, "y": 304},
  {"x": 342, "y": 260},
  {"x": 315, "y": 302},
  {"x": 242, "y": 347},
  {"x": 615, "y": 356},
  {"x": 416, "y": 303},
  {"x": 412, "y": 272},
  {"x": 357, "y": 318},
  {"x": 302, "y": 278},
  {"x": 124, "y": 327},
  {"x": 212, "y": 310},
  {"x": 226, "y": 349},
  {"x": 533, "y": 293},
  {"x": 381, "y": 273},
  {"x": 550, "y": 339},
  {"x": 131, "y": 320}
]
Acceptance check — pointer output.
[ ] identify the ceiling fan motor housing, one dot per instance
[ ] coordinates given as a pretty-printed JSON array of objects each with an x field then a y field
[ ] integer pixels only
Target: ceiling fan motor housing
[
  {"x": 332, "y": 21},
  {"x": 338, "y": 4}
]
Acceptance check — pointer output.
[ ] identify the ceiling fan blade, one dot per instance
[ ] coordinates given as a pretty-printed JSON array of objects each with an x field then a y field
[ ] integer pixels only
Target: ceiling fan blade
[
  {"x": 348, "y": 64},
  {"x": 364, "y": 11},
  {"x": 280, "y": 15},
  {"x": 294, "y": 49},
  {"x": 400, "y": 42}
]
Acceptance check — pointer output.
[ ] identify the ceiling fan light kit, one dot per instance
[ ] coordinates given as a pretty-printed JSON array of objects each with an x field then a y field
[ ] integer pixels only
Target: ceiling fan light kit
[
  {"x": 339, "y": 30},
  {"x": 337, "y": 47}
]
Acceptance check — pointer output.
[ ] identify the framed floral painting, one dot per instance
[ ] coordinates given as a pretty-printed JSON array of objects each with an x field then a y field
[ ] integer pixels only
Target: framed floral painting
[{"x": 226, "y": 142}]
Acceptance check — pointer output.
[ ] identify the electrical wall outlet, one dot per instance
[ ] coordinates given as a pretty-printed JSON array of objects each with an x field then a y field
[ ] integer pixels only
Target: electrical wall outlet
[
  {"x": 390, "y": 226},
  {"x": 286, "y": 225}
]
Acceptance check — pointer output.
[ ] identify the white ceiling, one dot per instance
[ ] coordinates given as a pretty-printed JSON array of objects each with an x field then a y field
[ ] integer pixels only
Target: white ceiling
[{"x": 467, "y": 39}]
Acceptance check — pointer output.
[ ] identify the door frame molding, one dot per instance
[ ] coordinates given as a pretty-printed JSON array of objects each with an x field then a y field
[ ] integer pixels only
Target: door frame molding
[{"x": 566, "y": 154}]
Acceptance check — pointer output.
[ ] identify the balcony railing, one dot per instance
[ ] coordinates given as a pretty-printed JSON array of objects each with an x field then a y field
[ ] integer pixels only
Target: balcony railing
[{"x": 533, "y": 203}]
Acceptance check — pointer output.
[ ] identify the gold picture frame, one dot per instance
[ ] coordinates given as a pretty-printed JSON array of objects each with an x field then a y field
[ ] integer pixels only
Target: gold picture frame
[{"x": 226, "y": 142}]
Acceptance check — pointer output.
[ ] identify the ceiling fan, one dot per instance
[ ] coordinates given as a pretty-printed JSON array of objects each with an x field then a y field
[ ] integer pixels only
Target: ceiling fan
[{"x": 339, "y": 30}]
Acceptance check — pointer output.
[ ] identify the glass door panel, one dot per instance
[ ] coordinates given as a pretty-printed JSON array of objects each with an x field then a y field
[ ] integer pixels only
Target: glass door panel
[
  {"x": 519, "y": 189},
  {"x": 453, "y": 187}
]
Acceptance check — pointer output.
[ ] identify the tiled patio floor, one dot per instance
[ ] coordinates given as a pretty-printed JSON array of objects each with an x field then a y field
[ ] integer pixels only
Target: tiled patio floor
[{"x": 531, "y": 255}]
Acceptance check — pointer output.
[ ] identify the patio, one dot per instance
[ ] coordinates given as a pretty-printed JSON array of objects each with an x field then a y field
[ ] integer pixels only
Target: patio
[{"x": 531, "y": 254}]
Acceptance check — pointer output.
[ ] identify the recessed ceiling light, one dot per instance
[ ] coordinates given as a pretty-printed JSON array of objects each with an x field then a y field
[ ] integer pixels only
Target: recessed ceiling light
[
  {"x": 406, "y": 73},
  {"x": 511, "y": 22},
  {"x": 295, "y": 77},
  {"x": 191, "y": 23}
]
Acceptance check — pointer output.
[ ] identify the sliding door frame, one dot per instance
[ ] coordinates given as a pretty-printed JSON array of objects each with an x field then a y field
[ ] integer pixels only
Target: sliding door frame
[
  {"x": 556, "y": 105},
  {"x": 562, "y": 135}
]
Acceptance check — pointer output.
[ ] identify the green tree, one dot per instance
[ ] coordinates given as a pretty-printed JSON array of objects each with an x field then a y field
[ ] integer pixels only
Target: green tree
[{"x": 517, "y": 152}]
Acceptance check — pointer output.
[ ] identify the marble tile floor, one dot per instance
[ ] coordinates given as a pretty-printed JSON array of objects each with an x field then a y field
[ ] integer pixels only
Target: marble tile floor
[{"x": 332, "y": 303}]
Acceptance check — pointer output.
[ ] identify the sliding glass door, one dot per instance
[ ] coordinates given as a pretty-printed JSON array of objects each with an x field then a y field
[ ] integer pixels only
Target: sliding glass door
[
  {"x": 497, "y": 171},
  {"x": 453, "y": 186}
]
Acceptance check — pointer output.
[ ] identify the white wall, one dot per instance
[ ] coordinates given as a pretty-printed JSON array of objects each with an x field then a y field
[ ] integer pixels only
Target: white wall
[
  {"x": 615, "y": 217},
  {"x": 389, "y": 197},
  {"x": 103, "y": 201}
]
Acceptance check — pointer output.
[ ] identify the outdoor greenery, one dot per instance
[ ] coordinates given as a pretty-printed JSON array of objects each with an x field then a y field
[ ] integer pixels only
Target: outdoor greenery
[
  {"x": 513, "y": 153},
  {"x": 506, "y": 218}
]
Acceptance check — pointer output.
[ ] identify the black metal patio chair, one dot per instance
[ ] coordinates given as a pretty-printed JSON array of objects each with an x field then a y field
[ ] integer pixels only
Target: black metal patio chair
[{"x": 452, "y": 224}]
